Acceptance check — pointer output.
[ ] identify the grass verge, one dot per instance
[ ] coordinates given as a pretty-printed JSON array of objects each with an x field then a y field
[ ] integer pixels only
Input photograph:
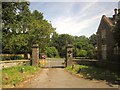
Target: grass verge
[
  {"x": 90, "y": 72},
  {"x": 14, "y": 75}
]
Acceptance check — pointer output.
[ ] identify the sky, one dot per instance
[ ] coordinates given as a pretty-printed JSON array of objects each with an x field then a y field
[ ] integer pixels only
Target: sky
[{"x": 75, "y": 18}]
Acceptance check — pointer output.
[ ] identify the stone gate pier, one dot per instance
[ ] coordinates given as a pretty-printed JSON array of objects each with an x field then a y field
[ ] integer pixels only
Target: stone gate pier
[
  {"x": 69, "y": 55},
  {"x": 35, "y": 55}
]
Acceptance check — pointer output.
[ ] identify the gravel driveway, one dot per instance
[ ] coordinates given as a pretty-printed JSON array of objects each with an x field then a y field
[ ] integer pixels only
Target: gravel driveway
[{"x": 59, "y": 78}]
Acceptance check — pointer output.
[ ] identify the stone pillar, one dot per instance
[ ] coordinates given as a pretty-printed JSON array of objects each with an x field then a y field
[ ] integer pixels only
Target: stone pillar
[
  {"x": 35, "y": 55},
  {"x": 69, "y": 55}
]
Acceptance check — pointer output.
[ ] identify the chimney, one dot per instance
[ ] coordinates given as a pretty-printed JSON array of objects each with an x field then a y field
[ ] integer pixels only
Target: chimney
[
  {"x": 115, "y": 10},
  {"x": 115, "y": 16}
]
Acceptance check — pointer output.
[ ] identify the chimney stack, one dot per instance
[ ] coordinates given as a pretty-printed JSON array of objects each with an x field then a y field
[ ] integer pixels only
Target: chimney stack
[
  {"x": 115, "y": 10},
  {"x": 115, "y": 16}
]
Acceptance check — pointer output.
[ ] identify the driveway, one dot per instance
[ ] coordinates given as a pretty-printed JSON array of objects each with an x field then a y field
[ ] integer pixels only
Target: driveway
[{"x": 59, "y": 78}]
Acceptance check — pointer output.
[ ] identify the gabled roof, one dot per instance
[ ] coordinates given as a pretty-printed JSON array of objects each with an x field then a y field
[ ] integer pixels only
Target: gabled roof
[
  {"x": 108, "y": 20},
  {"x": 105, "y": 20}
]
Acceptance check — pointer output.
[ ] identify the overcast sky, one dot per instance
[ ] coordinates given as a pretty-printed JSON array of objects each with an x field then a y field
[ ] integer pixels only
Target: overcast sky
[{"x": 75, "y": 18}]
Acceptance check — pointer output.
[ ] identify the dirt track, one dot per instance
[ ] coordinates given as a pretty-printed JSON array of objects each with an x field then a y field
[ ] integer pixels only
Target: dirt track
[{"x": 59, "y": 78}]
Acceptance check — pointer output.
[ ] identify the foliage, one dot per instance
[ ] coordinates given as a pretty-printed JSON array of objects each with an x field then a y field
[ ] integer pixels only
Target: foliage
[
  {"x": 76, "y": 52},
  {"x": 91, "y": 54},
  {"x": 83, "y": 47},
  {"x": 83, "y": 53},
  {"x": 76, "y": 68},
  {"x": 40, "y": 31},
  {"x": 12, "y": 25},
  {"x": 14, "y": 76},
  {"x": 21, "y": 28},
  {"x": 61, "y": 41},
  {"x": 52, "y": 52},
  {"x": 91, "y": 72},
  {"x": 93, "y": 39},
  {"x": 11, "y": 57},
  {"x": 79, "y": 42}
]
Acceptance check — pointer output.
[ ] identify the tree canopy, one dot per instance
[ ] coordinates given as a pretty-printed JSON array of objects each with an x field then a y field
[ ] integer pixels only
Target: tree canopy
[
  {"x": 23, "y": 28},
  {"x": 61, "y": 41},
  {"x": 82, "y": 44}
]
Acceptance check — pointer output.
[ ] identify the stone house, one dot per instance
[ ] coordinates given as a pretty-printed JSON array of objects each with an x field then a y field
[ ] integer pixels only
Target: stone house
[{"x": 106, "y": 47}]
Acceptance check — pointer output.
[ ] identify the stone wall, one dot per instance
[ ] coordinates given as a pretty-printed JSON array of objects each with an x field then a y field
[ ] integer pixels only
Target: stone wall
[{"x": 112, "y": 66}]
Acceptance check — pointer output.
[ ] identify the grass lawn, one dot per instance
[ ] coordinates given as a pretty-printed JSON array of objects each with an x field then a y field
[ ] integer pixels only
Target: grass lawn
[
  {"x": 14, "y": 75},
  {"x": 90, "y": 72}
]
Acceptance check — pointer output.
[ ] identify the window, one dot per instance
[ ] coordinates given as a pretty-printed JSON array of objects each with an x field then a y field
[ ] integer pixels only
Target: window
[
  {"x": 103, "y": 33},
  {"x": 104, "y": 53},
  {"x": 116, "y": 50}
]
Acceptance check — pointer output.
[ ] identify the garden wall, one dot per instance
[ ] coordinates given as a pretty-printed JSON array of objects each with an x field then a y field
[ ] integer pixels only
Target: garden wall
[{"x": 112, "y": 66}]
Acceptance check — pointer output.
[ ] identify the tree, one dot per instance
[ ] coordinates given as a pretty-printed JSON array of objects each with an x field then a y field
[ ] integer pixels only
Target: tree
[
  {"x": 61, "y": 41},
  {"x": 37, "y": 15},
  {"x": 40, "y": 31},
  {"x": 93, "y": 39},
  {"x": 54, "y": 39},
  {"x": 83, "y": 43},
  {"x": 21, "y": 28},
  {"x": 76, "y": 52},
  {"x": 52, "y": 52},
  {"x": 12, "y": 20}
]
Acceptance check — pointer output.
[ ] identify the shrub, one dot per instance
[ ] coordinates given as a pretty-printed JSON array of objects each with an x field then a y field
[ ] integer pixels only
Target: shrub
[
  {"x": 11, "y": 58},
  {"x": 83, "y": 53},
  {"x": 76, "y": 52},
  {"x": 90, "y": 53}
]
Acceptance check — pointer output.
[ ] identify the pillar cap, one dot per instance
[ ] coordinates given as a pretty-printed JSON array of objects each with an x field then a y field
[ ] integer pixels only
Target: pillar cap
[
  {"x": 69, "y": 46},
  {"x": 35, "y": 46}
]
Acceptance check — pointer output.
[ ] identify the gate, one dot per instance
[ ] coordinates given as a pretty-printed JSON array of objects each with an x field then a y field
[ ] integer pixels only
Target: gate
[
  {"x": 52, "y": 63},
  {"x": 59, "y": 63}
]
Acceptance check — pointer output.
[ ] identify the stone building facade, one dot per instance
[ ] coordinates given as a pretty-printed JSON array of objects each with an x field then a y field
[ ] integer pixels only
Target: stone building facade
[{"x": 106, "y": 47}]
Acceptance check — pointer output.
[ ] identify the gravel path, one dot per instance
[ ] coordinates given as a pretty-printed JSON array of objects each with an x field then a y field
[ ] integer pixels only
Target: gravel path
[{"x": 59, "y": 78}]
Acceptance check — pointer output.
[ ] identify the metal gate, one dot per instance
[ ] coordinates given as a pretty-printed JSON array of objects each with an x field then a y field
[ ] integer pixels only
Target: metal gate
[{"x": 52, "y": 63}]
